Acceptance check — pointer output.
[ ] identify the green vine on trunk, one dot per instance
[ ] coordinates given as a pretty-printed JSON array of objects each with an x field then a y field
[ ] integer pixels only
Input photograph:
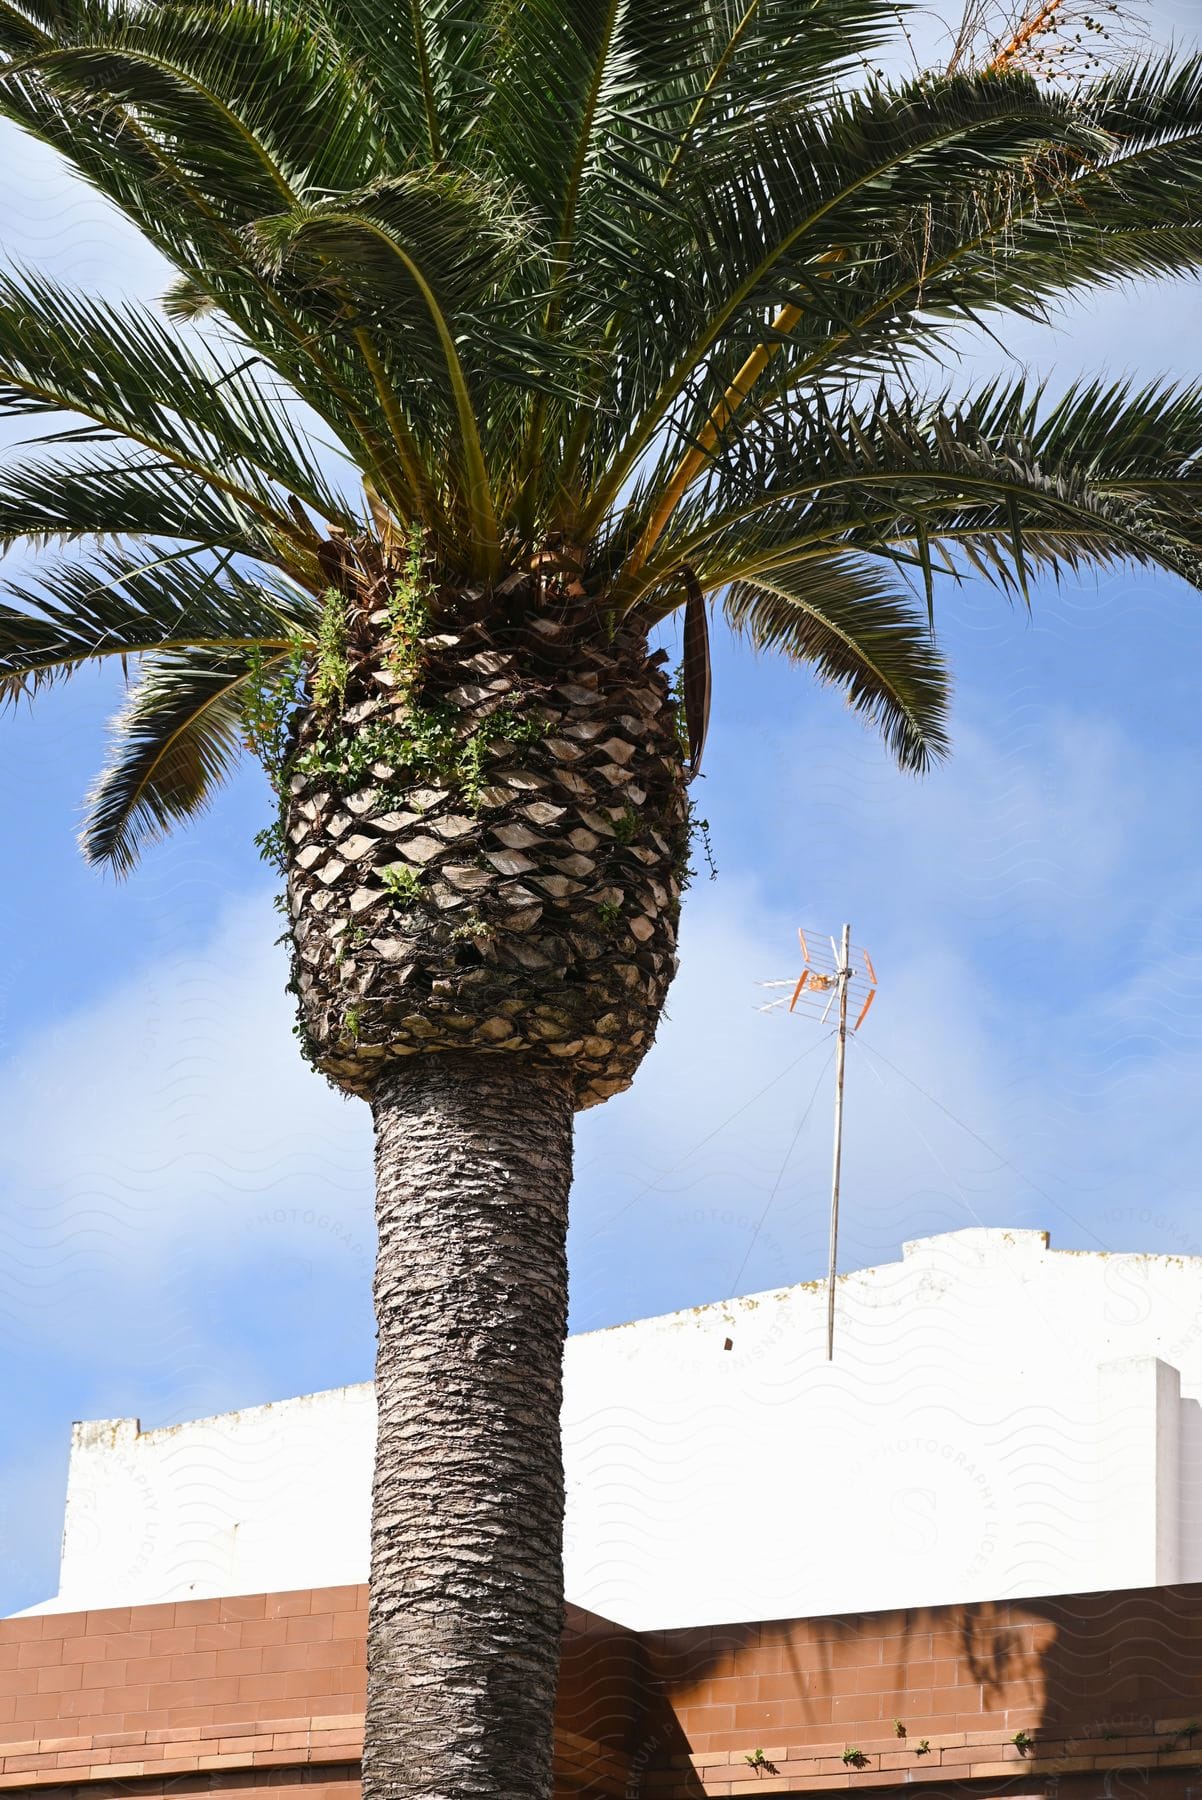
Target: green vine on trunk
[
  {"x": 695, "y": 829},
  {"x": 271, "y": 699},
  {"x": 306, "y": 1043},
  {"x": 700, "y": 828},
  {"x": 426, "y": 746},
  {"x": 408, "y": 613},
  {"x": 347, "y": 942},
  {"x": 473, "y": 930},
  {"x": 331, "y": 669},
  {"x": 502, "y": 726},
  {"x": 271, "y": 843}
]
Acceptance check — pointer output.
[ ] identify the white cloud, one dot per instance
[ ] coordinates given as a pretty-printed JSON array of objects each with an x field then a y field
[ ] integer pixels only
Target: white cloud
[{"x": 173, "y": 1118}]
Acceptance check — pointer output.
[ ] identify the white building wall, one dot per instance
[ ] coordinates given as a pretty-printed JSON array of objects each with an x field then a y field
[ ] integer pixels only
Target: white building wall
[
  {"x": 1000, "y": 1419},
  {"x": 1140, "y": 1410}
]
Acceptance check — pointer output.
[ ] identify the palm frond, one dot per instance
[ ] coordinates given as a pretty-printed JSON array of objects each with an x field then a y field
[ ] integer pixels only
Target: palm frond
[
  {"x": 175, "y": 741},
  {"x": 840, "y": 616},
  {"x": 256, "y": 113},
  {"x": 424, "y": 63},
  {"x": 812, "y": 48},
  {"x": 1105, "y": 474},
  {"x": 656, "y": 279},
  {"x": 423, "y": 257},
  {"x": 189, "y": 215},
  {"x": 58, "y": 499},
  {"x": 449, "y": 275},
  {"x": 121, "y": 370},
  {"x": 809, "y": 211},
  {"x": 122, "y": 606}
]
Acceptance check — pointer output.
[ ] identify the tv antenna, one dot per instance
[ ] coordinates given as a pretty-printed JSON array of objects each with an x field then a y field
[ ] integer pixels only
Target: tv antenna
[{"x": 831, "y": 982}]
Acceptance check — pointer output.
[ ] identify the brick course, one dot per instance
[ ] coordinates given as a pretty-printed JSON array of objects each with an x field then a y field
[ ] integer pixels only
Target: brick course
[{"x": 267, "y": 1691}]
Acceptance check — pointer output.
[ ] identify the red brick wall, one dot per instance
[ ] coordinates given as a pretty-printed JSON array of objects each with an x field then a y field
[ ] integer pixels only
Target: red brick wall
[
  {"x": 1100, "y": 1682},
  {"x": 176, "y": 1668},
  {"x": 266, "y": 1688},
  {"x": 267, "y": 1691}
]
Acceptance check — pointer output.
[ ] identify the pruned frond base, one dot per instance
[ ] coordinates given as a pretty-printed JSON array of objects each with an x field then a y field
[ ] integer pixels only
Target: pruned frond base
[{"x": 485, "y": 852}]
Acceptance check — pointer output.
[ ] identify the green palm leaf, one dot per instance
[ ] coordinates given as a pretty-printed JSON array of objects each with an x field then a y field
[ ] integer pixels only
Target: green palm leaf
[
  {"x": 178, "y": 737},
  {"x": 1104, "y": 474},
  {"x": 121, "y": 606},
  {"x": 256, "y": 113},
  {"x": 57, "y": 499},
  {"x": 843, "y": 619},
  {"x": 121, "y": 370}
]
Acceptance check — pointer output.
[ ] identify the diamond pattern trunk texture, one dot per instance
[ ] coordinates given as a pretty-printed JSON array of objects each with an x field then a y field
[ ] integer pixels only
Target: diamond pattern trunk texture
[{"x": 485, "y": 853}]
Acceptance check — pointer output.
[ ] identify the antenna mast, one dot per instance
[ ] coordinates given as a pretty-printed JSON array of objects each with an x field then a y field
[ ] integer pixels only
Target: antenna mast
[
  {"x": 842, "y": 976},
  {"x": 820, "y": 988}
]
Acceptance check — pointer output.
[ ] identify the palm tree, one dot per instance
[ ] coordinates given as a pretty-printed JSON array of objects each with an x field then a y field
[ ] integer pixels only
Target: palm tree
[{"x": 608, "y": 310}]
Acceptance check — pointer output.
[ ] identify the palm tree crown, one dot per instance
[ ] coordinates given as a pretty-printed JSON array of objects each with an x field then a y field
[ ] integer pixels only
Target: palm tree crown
[{"x": 586, "y": 286}]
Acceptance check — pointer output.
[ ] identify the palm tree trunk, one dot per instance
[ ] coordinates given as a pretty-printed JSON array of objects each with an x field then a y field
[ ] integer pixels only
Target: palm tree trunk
[{"x": 473, "y": 1166}]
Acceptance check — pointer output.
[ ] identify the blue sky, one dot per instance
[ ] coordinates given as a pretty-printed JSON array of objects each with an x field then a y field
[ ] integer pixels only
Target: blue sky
[{"x": 185, "y": 1212}]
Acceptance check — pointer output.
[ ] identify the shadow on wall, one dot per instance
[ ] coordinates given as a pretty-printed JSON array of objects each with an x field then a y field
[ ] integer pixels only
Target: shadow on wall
[{"x": 1087, "y": 1697}]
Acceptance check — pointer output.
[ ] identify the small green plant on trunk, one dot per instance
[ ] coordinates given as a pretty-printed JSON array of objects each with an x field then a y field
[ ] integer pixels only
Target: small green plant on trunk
[{"x": 404, "y": 884}]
